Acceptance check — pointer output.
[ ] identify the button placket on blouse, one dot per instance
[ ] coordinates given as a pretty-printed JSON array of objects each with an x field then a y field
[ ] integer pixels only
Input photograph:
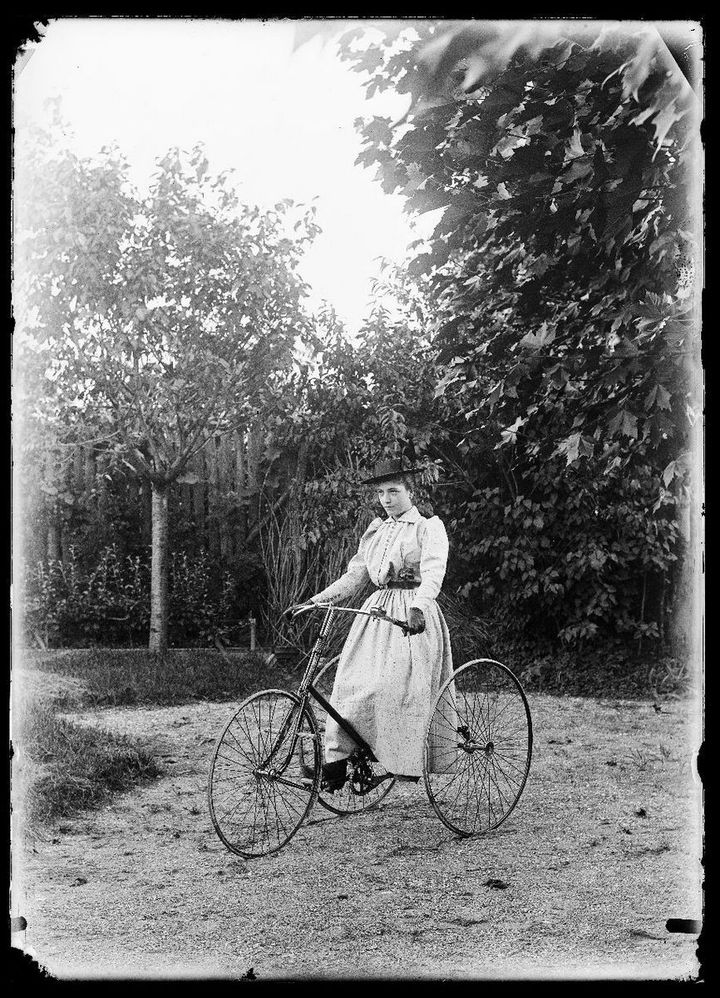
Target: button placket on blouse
[{"x": 392, "y": 533}]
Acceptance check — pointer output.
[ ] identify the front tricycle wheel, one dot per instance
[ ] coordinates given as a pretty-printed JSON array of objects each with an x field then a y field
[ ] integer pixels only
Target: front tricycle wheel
[{"x": 265, "y": 773}]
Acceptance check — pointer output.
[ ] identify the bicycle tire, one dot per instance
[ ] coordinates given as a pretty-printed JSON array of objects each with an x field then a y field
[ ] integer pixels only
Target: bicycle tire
[
  {"x": 478, "y": 747},
  {"x": 253, "y": 811}
]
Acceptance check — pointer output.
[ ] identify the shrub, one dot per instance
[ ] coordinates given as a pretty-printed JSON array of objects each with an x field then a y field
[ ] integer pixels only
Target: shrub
[
  {"x": 108, "y": 603},
  {"x": 578, "y": 560},
  {"x": 201, "y": 606}
]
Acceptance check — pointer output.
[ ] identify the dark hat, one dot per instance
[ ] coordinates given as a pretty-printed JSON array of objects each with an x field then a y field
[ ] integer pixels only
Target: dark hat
[{"x": 388, "y": 469}]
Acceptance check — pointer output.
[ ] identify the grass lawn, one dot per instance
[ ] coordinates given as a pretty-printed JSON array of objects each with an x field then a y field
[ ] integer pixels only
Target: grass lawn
[
  {"x": 115, "y": 677},
  {"x": 62, "y": 767}
]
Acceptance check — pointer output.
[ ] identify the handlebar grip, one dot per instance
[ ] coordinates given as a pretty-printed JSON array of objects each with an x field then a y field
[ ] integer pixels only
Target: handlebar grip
[{"x": 297, "y": 609}]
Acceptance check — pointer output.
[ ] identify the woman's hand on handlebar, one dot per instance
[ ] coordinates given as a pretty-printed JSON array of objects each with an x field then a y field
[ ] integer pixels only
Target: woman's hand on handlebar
[{"x": 416, "y": 620}]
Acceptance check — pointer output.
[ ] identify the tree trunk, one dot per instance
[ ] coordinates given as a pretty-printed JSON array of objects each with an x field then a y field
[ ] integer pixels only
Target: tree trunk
[
  {"x": 225, "y": 481},
  {"x": 159, "y": 604},
  {"x": 66, "y": 543},
  {"x": 213, "y": 526},
  {"x": 199, "y": 492},
  {"x": 78, "y": 470},
  {"x": 89, "y": 472},
  {"x": 240, "y": 488},
  {"x": 252, "y": 455},
  {"x": 53, "y": 542},
  {"x": 145, "y": 501}
]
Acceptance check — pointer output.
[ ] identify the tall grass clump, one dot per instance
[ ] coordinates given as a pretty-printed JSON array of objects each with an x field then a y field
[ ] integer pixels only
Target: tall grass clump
[
  {"x": 299, "y": 564},
  {"x": 59, "y": 767}
]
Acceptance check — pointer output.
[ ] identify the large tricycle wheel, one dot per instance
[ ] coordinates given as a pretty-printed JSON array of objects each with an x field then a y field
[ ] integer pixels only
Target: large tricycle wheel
[
  {"x": 478, "y": 747},
  {"x": 265, "y": 773}
]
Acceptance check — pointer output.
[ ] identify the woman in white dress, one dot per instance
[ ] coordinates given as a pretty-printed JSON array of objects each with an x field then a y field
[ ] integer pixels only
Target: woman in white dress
[{"x": 386, "y": 682}]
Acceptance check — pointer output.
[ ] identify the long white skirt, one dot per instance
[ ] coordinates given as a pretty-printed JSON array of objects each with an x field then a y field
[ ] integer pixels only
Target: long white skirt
[{"x": 386, "y": 685}]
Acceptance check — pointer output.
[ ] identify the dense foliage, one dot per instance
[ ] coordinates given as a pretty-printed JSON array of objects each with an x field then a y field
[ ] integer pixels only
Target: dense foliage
[
  {"x": 562, "y": 269},
  {"x": 562, "y": 260}
]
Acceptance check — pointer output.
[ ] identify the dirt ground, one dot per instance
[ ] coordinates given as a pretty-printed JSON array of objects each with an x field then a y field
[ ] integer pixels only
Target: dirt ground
[{"x": 602, "y": 849}]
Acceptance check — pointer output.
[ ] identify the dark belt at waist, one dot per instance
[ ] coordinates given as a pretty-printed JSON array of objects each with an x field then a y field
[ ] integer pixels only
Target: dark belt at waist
[{"x": 400, "y": 585}]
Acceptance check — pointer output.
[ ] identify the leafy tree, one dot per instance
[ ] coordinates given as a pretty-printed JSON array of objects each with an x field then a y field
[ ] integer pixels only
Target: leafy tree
[
  {"x": 564, "y": 256},
  {"x": 564, "y": 161},
  {"x": 162, "y": 318}
]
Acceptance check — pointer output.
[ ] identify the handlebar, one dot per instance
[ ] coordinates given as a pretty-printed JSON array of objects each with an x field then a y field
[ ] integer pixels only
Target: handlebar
[{"x": 377, "y": 612}]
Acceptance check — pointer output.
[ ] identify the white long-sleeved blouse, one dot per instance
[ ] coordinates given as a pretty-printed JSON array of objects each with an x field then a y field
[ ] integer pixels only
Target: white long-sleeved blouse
[{"x": 410, "y": 546}]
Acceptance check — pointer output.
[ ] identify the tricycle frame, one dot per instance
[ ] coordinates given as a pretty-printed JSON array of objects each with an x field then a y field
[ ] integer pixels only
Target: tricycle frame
[{"x": 256, "y": 768}]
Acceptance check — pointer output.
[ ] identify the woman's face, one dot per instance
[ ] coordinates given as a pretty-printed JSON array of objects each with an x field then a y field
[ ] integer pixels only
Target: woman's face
[{"x": 394, "y": 497}]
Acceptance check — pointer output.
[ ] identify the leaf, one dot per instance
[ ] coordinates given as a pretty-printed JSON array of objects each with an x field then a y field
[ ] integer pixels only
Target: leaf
[
  {"x": 303, "y": 31},
  {"x": 188, "y": 478},
  {"x": 543, "y": 337},
  {"x": 669, "y": 473},
  {"x": 663, "y": 122},
  {"x": 643, "y": 116},
  {"x": 659, "y": 397},
  {"x": 628, "y": 424},
  {"x": 574, "y": 148},
  {"x": 575, "y": 447},
  {"x": 509, "y": 435},
  {"x": 477, "y": 67},
  {"x": 576, "y": 171},
  {"x": 664, "y": 398},
  {"x": 639, "y": 66},
  {"x": 495, "y": 394},
  {"x": 538, "y": 267}
]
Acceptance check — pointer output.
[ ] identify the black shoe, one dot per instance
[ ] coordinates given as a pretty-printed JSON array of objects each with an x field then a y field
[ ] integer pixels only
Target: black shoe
[
  {"x": 406, "y": 779},
  {"x": 334, "y": 775}
]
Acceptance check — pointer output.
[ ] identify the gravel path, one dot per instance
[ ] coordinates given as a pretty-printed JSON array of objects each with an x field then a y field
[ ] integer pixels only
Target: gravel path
[{"x": 603, "y": 848}]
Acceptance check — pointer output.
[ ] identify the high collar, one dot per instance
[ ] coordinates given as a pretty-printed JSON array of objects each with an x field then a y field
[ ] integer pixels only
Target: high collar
[{"x": 409, "y": 516}]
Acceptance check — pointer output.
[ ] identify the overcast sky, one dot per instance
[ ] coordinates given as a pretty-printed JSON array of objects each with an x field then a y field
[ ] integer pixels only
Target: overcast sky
[{"x": 282, "y": 119}]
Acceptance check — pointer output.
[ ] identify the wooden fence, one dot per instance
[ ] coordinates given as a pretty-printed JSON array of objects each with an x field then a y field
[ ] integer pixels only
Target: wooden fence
[{"x": 216, "y": 507}]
